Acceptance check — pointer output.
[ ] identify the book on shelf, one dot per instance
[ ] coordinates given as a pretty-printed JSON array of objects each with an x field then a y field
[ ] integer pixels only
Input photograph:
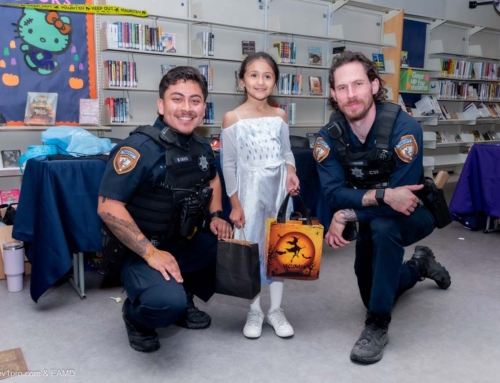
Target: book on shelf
[
  {"x": 289, "y": 109},
  {"x": 315, "y": 56},
  {"x": 168, "y": 43},
  {"x": 458, "y": 138},
  {"x": 165, "y": 68},
  {"x": 9, "y": 196},
  {"x": 337, "y": 51},
  {"x": 404, "y": 59},
  {"x": 477, "y": 136},
  {"x": 10, "y": 158},
  {"x": 118, "y": 109},
  {"x": 287, "y": 51},
  {"x": 428, "y": 106},
  {"x": 204, "y": 44},
  {"x": 247, "y": 47},
  {"x": 40, "y": 108},
  {"x": 208, "y": 73},
  {"x": 439, "y": 138},
  {"x": 378, "y": 59},
  {"x": 121, "y": 74},
  {"x": 215, "y": 142},
  {"x": 208, "y": 119},
  {"x": 89, "y": 112},
  {"x": 290, "y": 84},
  {"x": 315, "y": 86},
  {"x": 445, "y": 112}
]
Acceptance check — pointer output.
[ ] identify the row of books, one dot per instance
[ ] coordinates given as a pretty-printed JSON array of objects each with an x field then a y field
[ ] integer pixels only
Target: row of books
[
  {"x": 290, "y": 84},
  {"x": 462, "y": 90},
  {"x": 290, "y": 111},
  {"x": 482, "y": 110},
  {"x": 204, "y": 43},
  {"x": 472, "y": 136},
  {"x": 138, "y": 36},
  {"x": 121, "y": 73},
  {"x": 469, "y": 69},
  {"x": 286, "y": 52},
  {"x": 208, "y": 73},
  {"x": 9, "y": 196},
  {"x": 118, "y": 109},
  {"x": 209, "y": 119}
]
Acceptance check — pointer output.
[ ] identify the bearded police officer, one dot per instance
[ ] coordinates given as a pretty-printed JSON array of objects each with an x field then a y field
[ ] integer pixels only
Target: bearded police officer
[
  {"x": 158, "y": 186},
  {"x": 370, "y": 162}
]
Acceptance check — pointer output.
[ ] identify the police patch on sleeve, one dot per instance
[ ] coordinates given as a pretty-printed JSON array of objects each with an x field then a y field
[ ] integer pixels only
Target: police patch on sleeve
[
  {"x": 126, "y": 160},
  {"x": 321, "y": 149},
  {"x": 407, "y": 148}
]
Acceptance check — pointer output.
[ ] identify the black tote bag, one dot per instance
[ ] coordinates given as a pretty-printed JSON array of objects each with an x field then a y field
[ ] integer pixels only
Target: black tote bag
[{"x": 238, "y": 268}]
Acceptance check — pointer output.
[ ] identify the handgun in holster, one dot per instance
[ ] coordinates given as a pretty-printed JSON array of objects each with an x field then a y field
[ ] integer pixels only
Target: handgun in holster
[
  {"x": 434, "y": 201},
  {"x": 113, "y": 257},
  {"x": 192, "y": 209}
]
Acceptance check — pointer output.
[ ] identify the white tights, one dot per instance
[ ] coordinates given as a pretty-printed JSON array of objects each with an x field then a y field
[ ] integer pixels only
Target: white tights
[{"x": 276, "y": 292}]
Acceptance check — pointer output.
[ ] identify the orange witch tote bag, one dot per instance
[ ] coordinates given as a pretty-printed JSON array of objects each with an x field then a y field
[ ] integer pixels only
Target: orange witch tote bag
[{"x": 294, "y": 247}]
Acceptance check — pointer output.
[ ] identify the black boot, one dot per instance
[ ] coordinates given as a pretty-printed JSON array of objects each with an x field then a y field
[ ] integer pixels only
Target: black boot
[
  {"x": 193, "y": 318},
  {"x": 140, "y": 338},
  {"x": 369, "y": 348},
  {"x": 429, "y": 268}
]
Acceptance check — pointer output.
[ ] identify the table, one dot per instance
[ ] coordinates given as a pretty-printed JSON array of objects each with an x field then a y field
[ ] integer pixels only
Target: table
[
  {"x": 57, "y": 214},
  {"x": 478, "y": 189}
]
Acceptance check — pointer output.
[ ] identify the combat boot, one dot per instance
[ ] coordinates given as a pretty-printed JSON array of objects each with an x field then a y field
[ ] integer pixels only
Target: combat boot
[
  {"x": 429, "y": 268},
  {"x": 193, "y": 318},
  {"x": 369, "y": 348},
  {"x": 140, "y": 338}
]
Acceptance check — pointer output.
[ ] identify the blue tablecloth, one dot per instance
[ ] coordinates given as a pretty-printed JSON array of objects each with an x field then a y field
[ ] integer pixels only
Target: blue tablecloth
[
  {"x": 57, "y": 213},
  {"x": 478, "y": 189}
]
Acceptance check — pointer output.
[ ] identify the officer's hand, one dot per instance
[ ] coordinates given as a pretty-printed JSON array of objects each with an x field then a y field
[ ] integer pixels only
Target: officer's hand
[
  {"x": 334, "y": 237},
  {"x": 292, "y": 183},
  {"x": 221, "y": 228},
  {"x": 237, "y": 217},
  {"x": 166, "y": 264},
  {"x": 402, "y": 199}
]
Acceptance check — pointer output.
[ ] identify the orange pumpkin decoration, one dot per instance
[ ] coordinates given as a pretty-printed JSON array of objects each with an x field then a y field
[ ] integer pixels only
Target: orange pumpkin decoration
[
  {"x": 10, "y": 79},
  {"x": 75, "y": 83}
]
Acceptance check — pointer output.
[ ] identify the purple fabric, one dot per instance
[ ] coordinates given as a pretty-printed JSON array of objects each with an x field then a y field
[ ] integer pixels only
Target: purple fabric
[{"x": 478, "y": 189}]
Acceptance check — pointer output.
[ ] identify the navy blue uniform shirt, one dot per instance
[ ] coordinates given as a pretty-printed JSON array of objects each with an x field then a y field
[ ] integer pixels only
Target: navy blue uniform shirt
[
  {"x": 147, "y": 160},
  {"x": 408, "y": 170}
]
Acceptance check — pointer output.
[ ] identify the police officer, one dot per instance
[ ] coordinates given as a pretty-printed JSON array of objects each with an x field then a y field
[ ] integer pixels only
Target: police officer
[
  {"x": 155, "y": 188},
  {"x": 369, "y": 159}
]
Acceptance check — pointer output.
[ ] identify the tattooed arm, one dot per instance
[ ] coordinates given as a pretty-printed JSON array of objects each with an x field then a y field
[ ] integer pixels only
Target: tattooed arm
[{"x": 117, "y": 218}]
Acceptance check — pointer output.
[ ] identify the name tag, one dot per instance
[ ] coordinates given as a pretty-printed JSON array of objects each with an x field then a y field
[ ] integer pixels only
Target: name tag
[{"x": 180, "y": 160}]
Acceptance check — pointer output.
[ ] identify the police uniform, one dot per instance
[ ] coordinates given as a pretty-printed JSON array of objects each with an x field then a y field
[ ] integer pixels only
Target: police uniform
[
  {"x": 391, "y": 156},
  {"x": 144, "y": 173}
]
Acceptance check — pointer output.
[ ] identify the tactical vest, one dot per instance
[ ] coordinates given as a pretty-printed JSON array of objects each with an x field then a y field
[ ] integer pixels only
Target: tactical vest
[
  {"x": 188, "y": 167},
  {"x": 370, "y": 169}
]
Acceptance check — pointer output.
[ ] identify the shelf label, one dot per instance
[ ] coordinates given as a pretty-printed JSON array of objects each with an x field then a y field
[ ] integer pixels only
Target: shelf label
[
  {"x": 83, "y": 8},
  {"x": 417, "y": 81}
]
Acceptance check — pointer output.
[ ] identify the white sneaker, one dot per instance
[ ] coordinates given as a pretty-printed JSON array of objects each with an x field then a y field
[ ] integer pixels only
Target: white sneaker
[
  {"x": 253, "y": 327},
  {"x": 277, "y": 319}
]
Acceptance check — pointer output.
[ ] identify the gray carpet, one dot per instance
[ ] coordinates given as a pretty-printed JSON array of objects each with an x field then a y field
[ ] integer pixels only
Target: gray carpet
[{"x": 435, "y": 335}]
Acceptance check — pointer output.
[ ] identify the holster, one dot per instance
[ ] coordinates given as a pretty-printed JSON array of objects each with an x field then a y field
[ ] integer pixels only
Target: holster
[
  {"x": 113, "y": 257},
  {"x": 434, "y": 201}
]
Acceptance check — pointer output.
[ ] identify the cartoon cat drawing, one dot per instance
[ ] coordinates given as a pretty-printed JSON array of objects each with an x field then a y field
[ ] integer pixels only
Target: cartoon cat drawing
[{"x": 44, "y": 34}]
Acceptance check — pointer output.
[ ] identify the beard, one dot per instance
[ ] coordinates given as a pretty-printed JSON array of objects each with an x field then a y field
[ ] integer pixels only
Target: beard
[{"x": 357, "y": 115}]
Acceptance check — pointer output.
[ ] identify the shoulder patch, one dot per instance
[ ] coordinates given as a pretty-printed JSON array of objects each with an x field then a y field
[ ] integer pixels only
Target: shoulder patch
[
  {"x": 126, "y": 159},
  {"x": 321, "y": 149},
  {"x": 406, "y": 148}
]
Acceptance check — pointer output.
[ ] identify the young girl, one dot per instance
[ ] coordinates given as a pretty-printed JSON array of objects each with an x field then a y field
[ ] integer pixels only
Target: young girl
[{"x": 259, "y": 170}]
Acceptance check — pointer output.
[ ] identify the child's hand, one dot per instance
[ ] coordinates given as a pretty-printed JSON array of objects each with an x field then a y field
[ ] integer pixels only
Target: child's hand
[
  {"x": 292, "y": 183},
  {"x": 237, "y": 217}
]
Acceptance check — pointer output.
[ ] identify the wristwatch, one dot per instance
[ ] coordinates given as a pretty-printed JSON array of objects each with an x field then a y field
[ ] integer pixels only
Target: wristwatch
[
  {"x": 218, "y": 214},
  {"x": 379, "y": 196}
]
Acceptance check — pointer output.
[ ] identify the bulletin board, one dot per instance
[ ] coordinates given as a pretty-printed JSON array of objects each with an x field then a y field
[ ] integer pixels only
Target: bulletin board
[{"x": 46, "y": 51}]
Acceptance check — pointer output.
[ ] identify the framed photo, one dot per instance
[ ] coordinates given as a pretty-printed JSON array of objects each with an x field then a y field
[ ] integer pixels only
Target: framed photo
[{"x": 10, "y": 158}]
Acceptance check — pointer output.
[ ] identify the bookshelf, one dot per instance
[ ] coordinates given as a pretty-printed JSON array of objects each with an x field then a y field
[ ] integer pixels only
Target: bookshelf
[
  {"x": 306, "y": 23},
  {"x": 458, "y": 42}
]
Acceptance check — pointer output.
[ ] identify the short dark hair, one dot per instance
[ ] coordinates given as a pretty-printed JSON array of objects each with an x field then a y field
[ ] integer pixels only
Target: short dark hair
[
  {"x": 371, "y": 71},
  {"x": 256, "y": 56},
  {"x": 183, "y": 73}
]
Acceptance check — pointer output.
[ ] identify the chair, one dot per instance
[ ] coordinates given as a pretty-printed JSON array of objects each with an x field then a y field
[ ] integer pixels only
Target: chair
[{"x": 299, "y": 142}]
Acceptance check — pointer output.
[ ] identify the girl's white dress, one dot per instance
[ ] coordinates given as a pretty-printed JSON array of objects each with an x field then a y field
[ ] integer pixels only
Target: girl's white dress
[{"x": 254, "y": 153}]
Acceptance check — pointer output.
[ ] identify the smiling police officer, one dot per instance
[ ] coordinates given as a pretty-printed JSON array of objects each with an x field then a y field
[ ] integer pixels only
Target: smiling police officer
[
  {"x": 370, "y": 162},
  {"x": 159, "y": 185}
]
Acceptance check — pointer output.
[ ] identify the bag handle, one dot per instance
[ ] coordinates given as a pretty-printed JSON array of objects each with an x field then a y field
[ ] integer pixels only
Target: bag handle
[{"x": 281, "y": 218}]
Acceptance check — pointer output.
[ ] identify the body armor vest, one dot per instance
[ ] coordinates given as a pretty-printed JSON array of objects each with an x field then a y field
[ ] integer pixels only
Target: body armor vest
[
  {"x": 188, "y": 167},
  {"x": 370, "y": 169}
]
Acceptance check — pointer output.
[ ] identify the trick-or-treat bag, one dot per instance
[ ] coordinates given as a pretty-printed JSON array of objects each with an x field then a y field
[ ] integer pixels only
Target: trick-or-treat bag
[
  {"x": 294, "y": 247},
  {"x": 238, "y": 268}
]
